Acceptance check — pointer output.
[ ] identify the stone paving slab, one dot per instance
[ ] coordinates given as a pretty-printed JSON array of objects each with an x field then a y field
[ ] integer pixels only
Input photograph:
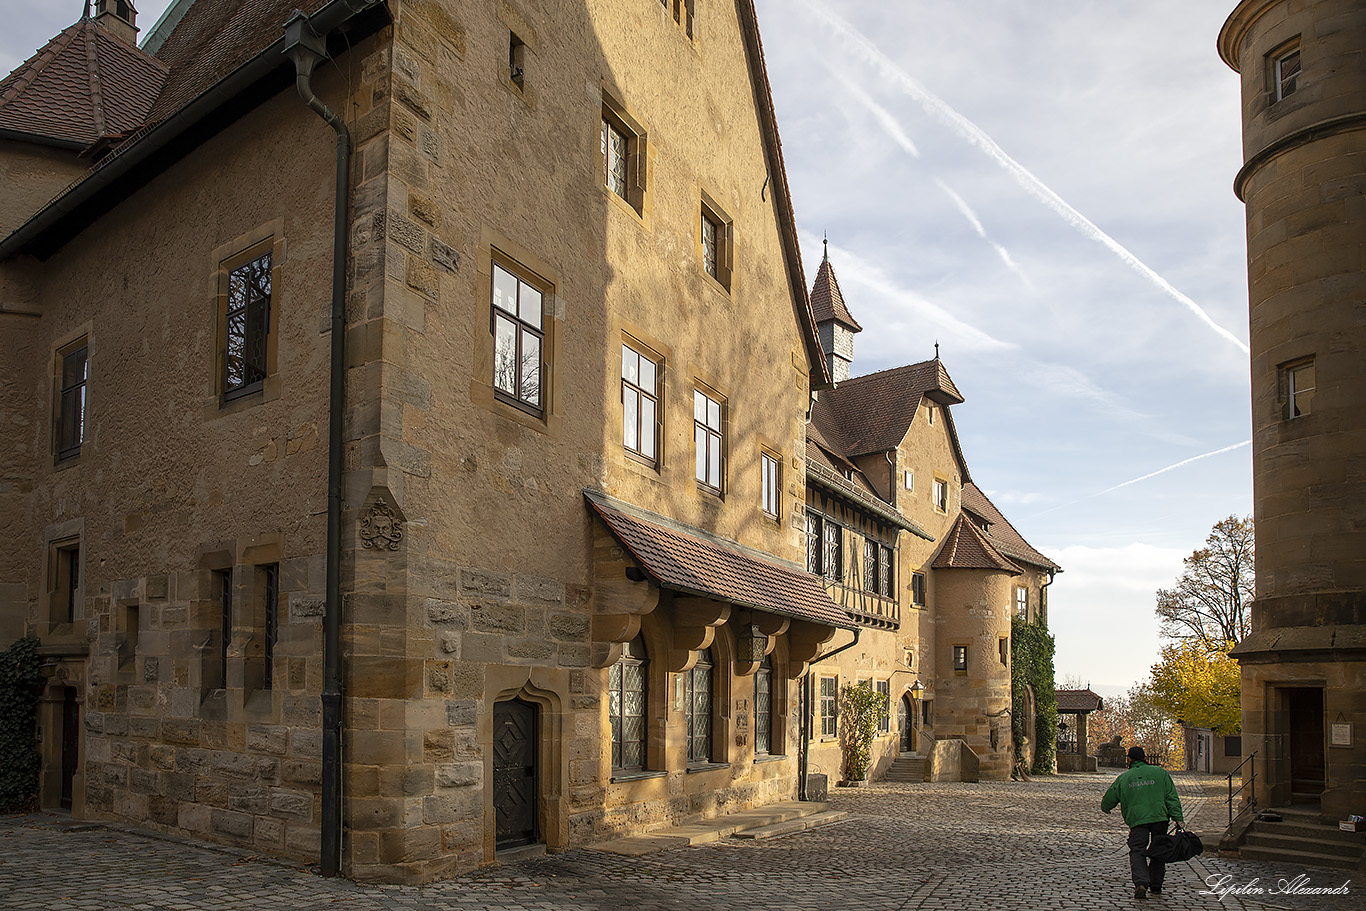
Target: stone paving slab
[{"x": 1034, "y": 846}]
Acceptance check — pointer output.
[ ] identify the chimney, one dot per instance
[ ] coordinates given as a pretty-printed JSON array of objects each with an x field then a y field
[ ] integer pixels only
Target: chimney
[{"x": 118, "y": 18}]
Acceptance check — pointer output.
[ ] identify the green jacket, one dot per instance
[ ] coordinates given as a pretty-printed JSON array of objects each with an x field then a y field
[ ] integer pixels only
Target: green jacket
[{"x": 1145, "y": 794}]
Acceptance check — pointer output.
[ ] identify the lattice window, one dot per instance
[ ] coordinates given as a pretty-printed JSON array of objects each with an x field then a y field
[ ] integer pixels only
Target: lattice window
[
  {"x": 763, "y": 706},
  {"x": 628, "y": 692},
  {"x": 699, "y": 708}
]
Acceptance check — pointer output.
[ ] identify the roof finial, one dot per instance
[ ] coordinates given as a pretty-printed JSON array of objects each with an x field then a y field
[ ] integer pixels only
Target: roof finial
[
  {"x": 826, "y": 242},
  {"x": 936, "y": 349}
]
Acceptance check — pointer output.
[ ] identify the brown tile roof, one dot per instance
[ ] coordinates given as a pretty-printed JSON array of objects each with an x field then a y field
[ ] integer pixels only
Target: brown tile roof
[
  {"x": 827, "y": 303},
  {"x": 859, "y": 492},
  {"x": 694, "y": 562},
  {"x": 83, "y": 84},
  {"x": 1003, "y": 535},
  {"x": 874, "y": 411},
  {"x": 1078, "y": 702},
  {"x": 966, "y": 547}
]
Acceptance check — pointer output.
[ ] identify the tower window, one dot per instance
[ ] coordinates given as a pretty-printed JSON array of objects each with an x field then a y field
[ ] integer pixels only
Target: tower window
[{"x": 1285, "y": 71}]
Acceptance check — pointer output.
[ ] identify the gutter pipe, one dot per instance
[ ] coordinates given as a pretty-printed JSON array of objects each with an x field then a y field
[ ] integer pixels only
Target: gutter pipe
[
  {"x": 804, "y": 753},
  {"x": 306, "y": 46}
]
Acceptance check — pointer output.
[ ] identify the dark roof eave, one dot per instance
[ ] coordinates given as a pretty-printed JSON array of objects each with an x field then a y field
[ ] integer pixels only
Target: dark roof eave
[
  {"x": 104, "y": 176},
  {"x": 821, "y": 477},
  {"x": 74, "y": 145}
]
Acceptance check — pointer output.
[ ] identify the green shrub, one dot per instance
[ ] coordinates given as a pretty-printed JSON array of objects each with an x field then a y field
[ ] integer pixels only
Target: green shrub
[
  {"x": 21, "y": 683},
  {"x": 861, "y": 708},
  {"x": 1031, "y": 659}
]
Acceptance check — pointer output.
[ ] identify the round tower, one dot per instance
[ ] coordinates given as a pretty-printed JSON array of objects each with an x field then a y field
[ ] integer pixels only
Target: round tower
[{"x": 1303, "y": 69}]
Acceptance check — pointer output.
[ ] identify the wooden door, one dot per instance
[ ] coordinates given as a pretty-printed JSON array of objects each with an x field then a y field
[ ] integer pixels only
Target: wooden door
[
  {"x": 1305, "y": 748},
  {"x": 514, "y": 772},
  {"x": 71, "y": 743}
]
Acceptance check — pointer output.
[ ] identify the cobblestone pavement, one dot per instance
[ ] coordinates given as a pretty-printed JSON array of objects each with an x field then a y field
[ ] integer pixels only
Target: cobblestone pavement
[{"x": 1039, "y": 845}]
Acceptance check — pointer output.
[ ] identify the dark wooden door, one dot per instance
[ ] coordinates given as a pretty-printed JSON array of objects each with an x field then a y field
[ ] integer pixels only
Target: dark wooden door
[
  {"x": 71, "y": 743},
  {"x": 905, "y": 717},
  {"x": 1305, "y": 710},
  {"x": 514, "y": 772}
]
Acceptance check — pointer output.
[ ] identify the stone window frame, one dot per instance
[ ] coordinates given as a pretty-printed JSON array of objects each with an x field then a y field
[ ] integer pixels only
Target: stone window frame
[
  {"x": 1003, "y": 650},
  {"x": 763, "y": 739},
  {"x": 616, "y": 688},
  {"x": 634, "y": 191},
  {"x": 714, "y": 432},
  {"x": 770, "y": 483},
  {"x": 827, "y": 706},
  {"x": 940, "y": 495},
  {"x": 909, "y": 480},
  {"x": 919, "y": 589},
  {"x": 718, "y": 264},
  {"x": 681, "y": 12},
  {"x": 63, "y": 594},
  {"x": 884, "y": 713},
  {"x": 628, "y": 387},
  {"x": 543, "y": 333},
  {"x": 1281, "y": 74},
  {"x": 64, "y": 450},
  {"x": 1291, "y": 388},
  {"x": 707, "y": 671},
  {"x": 1022, "y": 602},
  {"x": 247, "y": 248},
  {"x": 959, "y": 652}
]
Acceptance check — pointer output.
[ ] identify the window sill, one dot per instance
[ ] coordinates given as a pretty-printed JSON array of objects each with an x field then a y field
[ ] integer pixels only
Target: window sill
[
  {"x": 636, "y": 776},
  {"x": 770, "y": 757},
  {"x": 708, "y": 767}
]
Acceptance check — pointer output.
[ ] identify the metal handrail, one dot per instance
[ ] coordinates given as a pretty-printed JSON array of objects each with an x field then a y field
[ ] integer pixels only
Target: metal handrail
[{"x": 1252, "y": 800}]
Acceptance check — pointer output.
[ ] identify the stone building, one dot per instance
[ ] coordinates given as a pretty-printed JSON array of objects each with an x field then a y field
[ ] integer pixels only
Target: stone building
[
  {"x": 405, "y": 430},
  {"x": 1304, "y": 183},
  {"x": 907, "y": 541}
]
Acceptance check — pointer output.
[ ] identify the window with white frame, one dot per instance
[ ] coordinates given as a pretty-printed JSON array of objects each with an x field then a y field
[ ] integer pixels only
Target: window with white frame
[
  {"x": 1022, "y": 602},
  {"x": 884, "y": 708},
  {"x": 770, "y": 477},
  {"x": 941, "y": 495},
  {"x": 1285, "y": 71},
  {"x": 829, "y": 701},
  {"x": 640, "y": 404},
  {"x": 1299, "y": 387},
  {"x": 708, "y": 439}
]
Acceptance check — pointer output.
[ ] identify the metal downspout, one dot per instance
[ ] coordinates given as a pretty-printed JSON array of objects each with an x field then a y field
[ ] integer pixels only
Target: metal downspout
[
  {"x": 306, "y": 49},
  {"x": 804, "y": 754}
]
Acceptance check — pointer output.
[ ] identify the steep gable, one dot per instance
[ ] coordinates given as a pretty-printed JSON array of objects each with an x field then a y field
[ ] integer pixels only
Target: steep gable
[
  {"x": 1003, "y": 535},
  {"x": 966, "y": 547}
]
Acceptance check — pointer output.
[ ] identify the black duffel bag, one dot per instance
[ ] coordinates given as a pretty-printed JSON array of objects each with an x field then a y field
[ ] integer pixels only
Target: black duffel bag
[{"x": 1181, "y": 844}]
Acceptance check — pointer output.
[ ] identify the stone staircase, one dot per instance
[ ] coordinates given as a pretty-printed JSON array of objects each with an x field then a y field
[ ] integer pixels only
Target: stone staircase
[
  {"x": 906, "y": 767},
  {"x": 1301, "y": 839}
]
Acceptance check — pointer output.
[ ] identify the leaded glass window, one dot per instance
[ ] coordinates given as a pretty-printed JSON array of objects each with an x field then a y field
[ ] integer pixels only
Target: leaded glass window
[
  {"x": 885, "y": 574},
  {"x": 710, "y": 229},
  {"x": 615, "y": 149},
  {"x": 518, "y": 334},
  {"x": 627, "y": 694},
  {"x": 699, "y": 708},
  {"x": 813, "y": 544},
  {"x": 832, "y": 562},
  {"x": 870, "y": 576},
  {"x": 763, "y": 706},
  {"x": 248, "y": 324},
  {"x": 829, "y": 718}
]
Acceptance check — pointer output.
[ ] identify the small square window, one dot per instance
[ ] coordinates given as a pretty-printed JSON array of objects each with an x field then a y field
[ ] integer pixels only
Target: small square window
[
  {"x": 709, "y": 440},
  {"x": 960, "y": 659},
  {"x": 1299, "y": 388},
  {"x": 640, "y": 404},
  {"x": 71, "y": 401},
  {"x": 941, "y": 495},
  {"x": 770, "y": 479},
  {"x": 1285, "y": 72},
  {"x": 715, "y": 242},
  {"x": 518, "y": 325},
  {"x": 918, "y": 589}
]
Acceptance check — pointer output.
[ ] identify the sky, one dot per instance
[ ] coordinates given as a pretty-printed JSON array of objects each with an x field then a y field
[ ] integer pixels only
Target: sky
[{"x": 1044, "y": 189}]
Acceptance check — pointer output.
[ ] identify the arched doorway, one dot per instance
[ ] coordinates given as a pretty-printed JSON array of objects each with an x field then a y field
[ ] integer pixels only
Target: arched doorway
[
  {"x": 905, "y": 719},
  {"x": 515, "y": 733}
]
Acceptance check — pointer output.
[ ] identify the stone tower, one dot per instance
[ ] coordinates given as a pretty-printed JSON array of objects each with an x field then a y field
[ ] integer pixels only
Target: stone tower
[
  {"x": 1303, "y": 69},
  {"x": 834, "y": 322}
]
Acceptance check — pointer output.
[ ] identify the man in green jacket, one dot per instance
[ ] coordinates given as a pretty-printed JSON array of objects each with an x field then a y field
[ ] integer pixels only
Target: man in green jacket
[{"x": 1147, "y": 798}]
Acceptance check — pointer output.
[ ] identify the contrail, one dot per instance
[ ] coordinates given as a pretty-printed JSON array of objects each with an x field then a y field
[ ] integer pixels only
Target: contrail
[
  {"x": 880, "y": 114},
  {"x": 974, "y": 135},
  {"x": 1180, "y": 464},
  {"x": 971, "y": 216}
]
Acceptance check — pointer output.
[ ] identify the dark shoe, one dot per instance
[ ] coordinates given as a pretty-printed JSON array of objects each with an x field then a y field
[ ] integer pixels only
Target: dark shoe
[
  {"x": 1154, "y": 890},
  {"x": 1140, "y": 891}
]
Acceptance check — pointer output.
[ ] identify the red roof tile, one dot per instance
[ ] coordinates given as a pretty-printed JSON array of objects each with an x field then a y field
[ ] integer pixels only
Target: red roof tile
[
  {"x": 1078, "y": 702},
  {"x": 827, "y": 303},
  {"x": 1003, "y": 535},
  {"x": 874, "y": 411},
  {"x": 966, "y": 547},
  {"x": 694, "y": 562},
  {"x": 83, "y": 84}
]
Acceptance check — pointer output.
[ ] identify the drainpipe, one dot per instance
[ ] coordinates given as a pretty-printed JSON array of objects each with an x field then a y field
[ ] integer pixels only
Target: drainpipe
[
  {"x": 306, "y": 48},
  {"x": 804, "y": 752},
  {"x": 1043, "y": 597}
]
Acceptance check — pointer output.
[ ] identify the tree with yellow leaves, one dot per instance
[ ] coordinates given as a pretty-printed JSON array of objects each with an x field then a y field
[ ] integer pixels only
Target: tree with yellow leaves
[{"x": 1198, "y": 686}]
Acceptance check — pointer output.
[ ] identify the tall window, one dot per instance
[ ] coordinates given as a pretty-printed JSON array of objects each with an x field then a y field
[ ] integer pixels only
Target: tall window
[
  {"x": 518, "y": 336},
  {"x": 918, "y": 589},
  {"x": 627, "y": 692},
  {"x": 640, "y": 404},
  {"x": 615, "y": 157},
  {"x": 1285, "y": 72},
  {"x": 248, "y": 324},
  {"x": 710, "y": 230},
  {"x": 829, "y": 703},
  {"x": 832, "y": 563},
  {"x": 698, "y": 707},
  {"x": 941, "y": 495},
  {"x": 714, "y": 242},
  {"x": 271, "y": 580},
  {"x": 71, "y": 403},
  {"x": 216, "y": 677},
  {"x": 870, "y": 573},
  {"x": 813, "y": 544},
  {"x": 1022, "y": 602},
  {"x": 64, "y": 581},
  {"x": 884, "y": 708},
  {"x": 960, "y": 658},
  {"x": 763, "y": 706},
  {"x": 886, "y": 576},
  {"x": 770, "y": 479},
  {"x": 1299, "y": 388},
  {"x": 708, "y": 438}
]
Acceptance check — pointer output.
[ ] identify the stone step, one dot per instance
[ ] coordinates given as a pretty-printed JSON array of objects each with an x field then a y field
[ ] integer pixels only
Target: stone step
[
  {"x": 793, "y": 825},
  {"x": 1311, "y": 858},
  {"x": 1317, "y": 831},
  {"x": 1282, "y": 842}
]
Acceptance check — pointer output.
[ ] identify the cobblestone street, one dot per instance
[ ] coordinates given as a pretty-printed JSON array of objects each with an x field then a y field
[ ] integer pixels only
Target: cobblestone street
[{"x": 1038, "y": 845}]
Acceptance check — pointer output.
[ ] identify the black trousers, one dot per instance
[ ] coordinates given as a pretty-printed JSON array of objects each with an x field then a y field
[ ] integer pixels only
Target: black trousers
[{"x": 1146, "y": 872}]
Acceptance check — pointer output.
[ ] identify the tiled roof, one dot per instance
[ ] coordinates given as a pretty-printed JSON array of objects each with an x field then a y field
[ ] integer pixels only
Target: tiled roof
[
  {"x": 215, "y": 37},
  {"x": 1003, "y": 535},
  {"x": 859, "y": 493},
  {"x": 694, "y": 562},
  {"x": 83, "y": 84},
  {"x": 827, "y": 303},
  {"x": 873, "y": 412},
  {"x": 1078, "y": 702},
  {"x": 966, "y": 547}
]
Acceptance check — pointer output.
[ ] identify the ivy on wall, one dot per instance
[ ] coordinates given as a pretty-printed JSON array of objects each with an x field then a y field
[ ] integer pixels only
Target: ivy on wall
[
  {"x": 21, "y": 683},
  {"x": 1031, "y": 663}
]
